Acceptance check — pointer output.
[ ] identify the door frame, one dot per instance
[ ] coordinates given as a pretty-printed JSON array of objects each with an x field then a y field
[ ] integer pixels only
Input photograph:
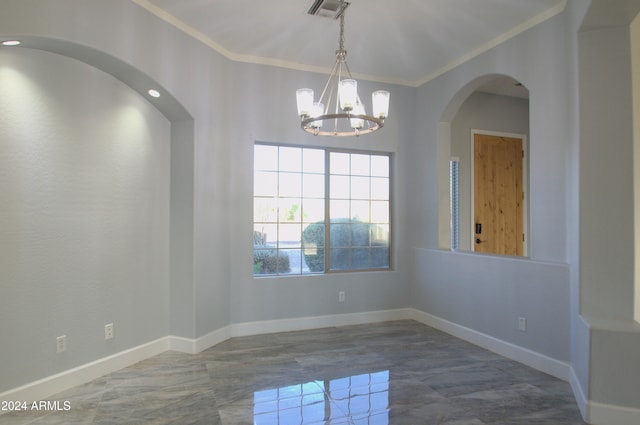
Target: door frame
[{"x": 525, "y": 183}]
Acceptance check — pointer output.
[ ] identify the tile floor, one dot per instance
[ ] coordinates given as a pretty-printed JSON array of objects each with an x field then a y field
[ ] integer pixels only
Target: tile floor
[{"x": 380, "y": 374}]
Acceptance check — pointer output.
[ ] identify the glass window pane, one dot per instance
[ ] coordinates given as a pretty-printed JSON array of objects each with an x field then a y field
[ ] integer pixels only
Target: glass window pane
[
  {"x": 313, "y": 248},
  {"x": 294, "y": 259},
  {"x": 339, "y": 210},
  {"x": 380, "y": 235},
  {"x": 313, "y": 161},
  {"x": 312, "y": 210},
  {"x": 339, "y": 163},
  {"x": 265, "y": 158},
  {"x": 339, "y": 235},
  {"x": 289, "y": 236},
  {"x": 339, "y": 187},
  {"x": 360, "y": 165},
  {"x": 313, "y": 236},
  {"x": 265, "y": 210},
  {"x": 360, "y": 187},
  {"x": 290, "y": 185},
  {"x": 380, "y": 188},
  {"x": 360, "y": 211},
  {"x": 290, "y": 159},
  {"x": 313, "y": 185},
  {"x": 270, "y": 261},
  {"x": 360, "y": 258},
  {"x": 380, "y": 166},
  {"x": 380, "y": 257},
  {"x": 290, "y": 210},
  {"x": 360, "y": 234},
  {"x": 265, "y": 183},
  {"x": 265, "y": 235},
  {"x": 380, "y": 212},
  {"x": 339, "y": 258}
]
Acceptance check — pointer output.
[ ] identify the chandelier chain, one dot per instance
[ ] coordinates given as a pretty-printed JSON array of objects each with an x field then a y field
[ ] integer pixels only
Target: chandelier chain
[{"x": 341, "y": 49}]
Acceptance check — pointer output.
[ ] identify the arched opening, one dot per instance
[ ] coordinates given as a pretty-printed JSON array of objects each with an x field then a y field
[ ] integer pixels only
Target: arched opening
[
  {"x": 99, "y": 174},
  {"x": 483, "y": 144}
]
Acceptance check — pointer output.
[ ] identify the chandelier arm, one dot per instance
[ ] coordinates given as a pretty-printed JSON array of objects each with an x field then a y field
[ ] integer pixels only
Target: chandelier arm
[
  {"x": 327, "y": 106},
  {"x": 346, "y": 65},
  {"x": 339, "y": 78},
  {"x": 333, "y": 71}
]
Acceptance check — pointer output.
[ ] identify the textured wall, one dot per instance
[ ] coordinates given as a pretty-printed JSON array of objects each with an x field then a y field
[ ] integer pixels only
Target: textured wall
[{"x": 84, "y": 215}]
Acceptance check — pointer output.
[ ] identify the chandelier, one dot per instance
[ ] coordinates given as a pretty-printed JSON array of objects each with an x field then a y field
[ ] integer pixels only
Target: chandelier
[{"x": 347, "y": 115}]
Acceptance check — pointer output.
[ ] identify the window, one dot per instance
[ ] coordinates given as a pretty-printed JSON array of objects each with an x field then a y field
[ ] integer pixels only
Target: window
[
  {"x": 312, "y": 201},
  {"x": 454, "y": 199}
]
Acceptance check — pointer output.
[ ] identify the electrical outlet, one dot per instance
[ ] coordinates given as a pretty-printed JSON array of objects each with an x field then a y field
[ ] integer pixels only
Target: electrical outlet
[
  {"x": 108, "y": 331},
  {"x": 341, "y": 296},
  {"x": 522, "y": 324},
  {"x": 61, "y": 344}
]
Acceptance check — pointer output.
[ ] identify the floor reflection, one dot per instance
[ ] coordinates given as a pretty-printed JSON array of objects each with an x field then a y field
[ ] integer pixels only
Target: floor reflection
[{"x": 361, "y": 399}]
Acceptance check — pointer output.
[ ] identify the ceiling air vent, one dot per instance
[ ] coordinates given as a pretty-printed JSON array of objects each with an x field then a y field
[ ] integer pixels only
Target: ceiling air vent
[{"x": 327, "y": 8}]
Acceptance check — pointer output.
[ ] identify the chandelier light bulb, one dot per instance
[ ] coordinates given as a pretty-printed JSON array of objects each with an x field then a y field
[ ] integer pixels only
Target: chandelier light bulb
[
  {"x": 380, "y": 102},
  {"x": 348, "y": 93},
  {"x": 304, "y": 98},
  {"x": 316, "y": 111},
  {"x": 358, "y": 122}
]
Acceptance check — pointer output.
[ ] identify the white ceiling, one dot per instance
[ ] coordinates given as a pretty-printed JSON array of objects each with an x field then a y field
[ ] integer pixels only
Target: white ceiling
[{"x": 405, "y": 42}]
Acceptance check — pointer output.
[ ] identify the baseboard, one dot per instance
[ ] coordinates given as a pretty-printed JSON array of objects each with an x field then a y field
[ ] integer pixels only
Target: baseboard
[
  {"x": 609, "y": 414},
  {"x": 43, "y": 388},
  {"x": 553, "y": 367},
  {"x": 194, "y": 346},
  {"x": 317, "y": 322},
  {"x": 578, "y": 393},
  {"x": 600, "y": 413}
]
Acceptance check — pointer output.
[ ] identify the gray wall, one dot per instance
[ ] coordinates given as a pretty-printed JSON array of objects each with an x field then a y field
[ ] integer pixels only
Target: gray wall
[
  {"x": 488, "y": 293},
  {"x": 84, "y": 216}
]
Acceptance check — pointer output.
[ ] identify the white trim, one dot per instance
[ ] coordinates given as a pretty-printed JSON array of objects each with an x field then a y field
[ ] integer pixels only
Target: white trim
[
  {"x": 553, "y": 367},
  {"x": 62, "y": 381},
  {"x": 317, "y": 322},
  {"x": 600, "y": 413},
  {"x": 525, "y": 184},
  {"x": 609, "y": 414},
  {"x": 547, "y": 14},
  {"x": 195, "y": 346},
  {"x": 578, "y": 393}
]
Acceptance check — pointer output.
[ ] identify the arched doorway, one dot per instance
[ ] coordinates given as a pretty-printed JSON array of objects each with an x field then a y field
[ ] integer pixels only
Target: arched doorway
[{"x": 483, "y": 139}]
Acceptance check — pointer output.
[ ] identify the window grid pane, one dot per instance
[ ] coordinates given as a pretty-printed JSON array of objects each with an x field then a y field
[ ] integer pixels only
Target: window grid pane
[
  {"x": 359, "y": 208},
  {"x": 290, "y": 222}
]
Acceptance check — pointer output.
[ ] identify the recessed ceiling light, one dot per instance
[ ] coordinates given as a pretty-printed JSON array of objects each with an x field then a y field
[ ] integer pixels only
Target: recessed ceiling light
[
  {"x": 154, "y": 93},
  {"x": 11, "y": 42}
]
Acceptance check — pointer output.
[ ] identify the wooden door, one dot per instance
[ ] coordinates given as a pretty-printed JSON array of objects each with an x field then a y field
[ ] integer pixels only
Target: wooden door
[{"x": 498, "y": 195}]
